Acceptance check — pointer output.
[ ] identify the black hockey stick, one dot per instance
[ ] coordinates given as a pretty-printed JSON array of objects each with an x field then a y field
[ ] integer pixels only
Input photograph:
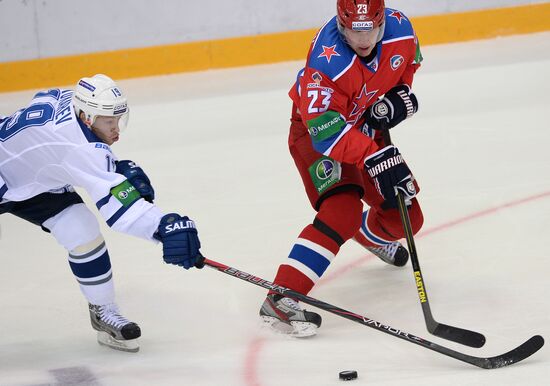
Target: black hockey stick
[
  {"x": 455, "y": 334},
  {"x": 521, "y": 352}
]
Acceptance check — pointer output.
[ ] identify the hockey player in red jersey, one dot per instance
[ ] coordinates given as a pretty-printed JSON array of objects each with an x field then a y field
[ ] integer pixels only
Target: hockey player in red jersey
[{"x": 357, "y": 81}]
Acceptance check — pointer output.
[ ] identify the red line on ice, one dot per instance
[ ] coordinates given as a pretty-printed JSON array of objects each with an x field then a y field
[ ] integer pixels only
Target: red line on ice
[{"x": 251, "y": 361}]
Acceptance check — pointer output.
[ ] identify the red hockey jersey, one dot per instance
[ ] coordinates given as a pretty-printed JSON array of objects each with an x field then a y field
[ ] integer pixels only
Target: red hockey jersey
[{"x": 335, "y": 88}]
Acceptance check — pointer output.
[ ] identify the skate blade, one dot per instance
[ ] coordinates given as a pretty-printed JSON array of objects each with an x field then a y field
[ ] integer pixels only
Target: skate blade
[
  {"x": 294, "y": 329},
  {"x": 104, "y": 339}
]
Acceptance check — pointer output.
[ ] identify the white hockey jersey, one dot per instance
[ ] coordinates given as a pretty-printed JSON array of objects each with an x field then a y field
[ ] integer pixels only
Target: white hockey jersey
[{"x": 43, "y": 147}]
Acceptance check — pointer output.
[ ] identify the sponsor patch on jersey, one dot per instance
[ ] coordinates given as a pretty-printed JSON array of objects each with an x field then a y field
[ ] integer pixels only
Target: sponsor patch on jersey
[
  {"x": 125, "y": 193},
  {"x": 317, "y": 79},
  {"x": 325, "y": 126},
  {"x": 86, "y": 85},
  {"x": 324, "y": 173},
  {"x": 396, "y": 61},
  {"x": 362, "y": 25},
  {"x": 324, "y": 169}
]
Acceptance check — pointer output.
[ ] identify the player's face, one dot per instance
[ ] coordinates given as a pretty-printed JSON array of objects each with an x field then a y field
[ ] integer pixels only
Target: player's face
[
  {"x": 106, "y": 128},
  {"x": 362, "y": 42}
]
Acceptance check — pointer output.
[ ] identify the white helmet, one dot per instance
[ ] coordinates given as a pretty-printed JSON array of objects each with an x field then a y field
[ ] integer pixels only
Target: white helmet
[{"x": 99, "y": 95}]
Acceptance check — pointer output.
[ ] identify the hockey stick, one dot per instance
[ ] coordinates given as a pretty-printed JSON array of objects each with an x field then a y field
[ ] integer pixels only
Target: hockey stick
[
  {"x": 521, "y": 352},
  {"x": 455, "y": 334}
]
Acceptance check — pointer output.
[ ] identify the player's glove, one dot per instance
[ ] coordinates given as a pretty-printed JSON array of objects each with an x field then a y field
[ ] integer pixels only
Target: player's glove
[
  {"x": 137, "y": 177},
  {"x": 397, "y": 105},
  {"x": 390, "y": 173},
  {"x": 180, "y": 241}
]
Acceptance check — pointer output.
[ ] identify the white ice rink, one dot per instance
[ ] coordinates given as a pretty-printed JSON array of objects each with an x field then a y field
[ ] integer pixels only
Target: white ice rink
[{"x": 214, "y": 145}]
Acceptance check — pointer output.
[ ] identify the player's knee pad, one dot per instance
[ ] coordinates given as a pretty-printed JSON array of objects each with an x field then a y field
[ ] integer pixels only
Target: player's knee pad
[
  {"x": 341, "y": 213},
  {"x": 75, "y": 228}
]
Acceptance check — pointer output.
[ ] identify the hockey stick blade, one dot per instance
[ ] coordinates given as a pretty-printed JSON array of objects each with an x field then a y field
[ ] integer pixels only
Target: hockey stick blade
[
  {"x": 523, "y": 351},
  {"x": 458, "y": 335}
]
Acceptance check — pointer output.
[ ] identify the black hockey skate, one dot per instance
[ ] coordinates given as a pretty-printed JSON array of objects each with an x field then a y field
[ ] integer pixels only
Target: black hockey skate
[
  {"x": 114, "y": 330},
  {"x": 393, "y": 253},
  {"x": 284, "y": 315}
]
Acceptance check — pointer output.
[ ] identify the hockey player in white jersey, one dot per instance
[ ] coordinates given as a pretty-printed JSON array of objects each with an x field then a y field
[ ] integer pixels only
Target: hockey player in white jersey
[{"x": 60, "y": 140}]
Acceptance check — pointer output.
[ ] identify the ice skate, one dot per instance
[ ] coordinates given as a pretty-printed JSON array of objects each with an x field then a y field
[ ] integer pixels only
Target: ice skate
[
  {"x": 393, "y": 253},
  {"x": 284, "y": 315},
  {"x": 114, "y": 330}
]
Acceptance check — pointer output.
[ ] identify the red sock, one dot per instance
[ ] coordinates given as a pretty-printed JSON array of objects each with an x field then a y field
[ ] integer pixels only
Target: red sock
[{"x": 337, "y": 221}]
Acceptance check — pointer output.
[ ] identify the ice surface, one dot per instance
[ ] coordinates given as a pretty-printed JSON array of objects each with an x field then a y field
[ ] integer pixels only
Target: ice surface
[{"x": 214, "y": 145}]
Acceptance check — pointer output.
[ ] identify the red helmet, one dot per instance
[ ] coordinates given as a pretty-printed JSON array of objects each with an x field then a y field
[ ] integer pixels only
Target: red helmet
[{"x": 360, "y": 14}]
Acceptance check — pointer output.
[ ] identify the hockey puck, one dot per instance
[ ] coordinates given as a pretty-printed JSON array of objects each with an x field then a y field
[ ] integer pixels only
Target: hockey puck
[{"x": 348, "y": 375}]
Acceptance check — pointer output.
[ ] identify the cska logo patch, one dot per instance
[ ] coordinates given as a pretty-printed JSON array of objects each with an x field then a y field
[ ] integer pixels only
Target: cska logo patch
[
  {"x": 396, "y": 61},
  {"x": 329, "y": 52}
]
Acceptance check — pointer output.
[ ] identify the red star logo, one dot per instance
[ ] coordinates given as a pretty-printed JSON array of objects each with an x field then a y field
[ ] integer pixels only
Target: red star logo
[
  {"x": 329, "y": 52},
  {"x": 398, "y": 15},
  {"x": 360, "y": 104}
]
